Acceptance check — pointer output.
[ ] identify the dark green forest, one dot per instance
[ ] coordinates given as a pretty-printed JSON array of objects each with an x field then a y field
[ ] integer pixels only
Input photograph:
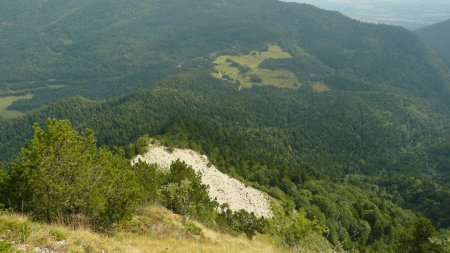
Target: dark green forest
[
  {"x": 101, "y": 48},
  {"x": 365, "y": 174},
  {"x": 61, "y": 176},
  {"x": 365, "y": 163}
]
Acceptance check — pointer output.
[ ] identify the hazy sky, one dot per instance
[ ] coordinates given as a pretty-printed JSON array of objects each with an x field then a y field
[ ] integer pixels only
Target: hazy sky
[{"x": 411, "y": 14}]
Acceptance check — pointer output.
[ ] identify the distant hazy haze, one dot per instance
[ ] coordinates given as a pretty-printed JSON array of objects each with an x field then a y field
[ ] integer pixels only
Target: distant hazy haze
[{"x": 411, "y": 14}]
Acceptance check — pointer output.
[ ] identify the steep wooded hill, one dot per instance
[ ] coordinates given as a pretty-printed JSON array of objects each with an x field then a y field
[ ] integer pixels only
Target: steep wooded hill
[
  {"x": 343, "y": 157},
  {"x": 438, "y": 35},
  {"x": 100, "y": 48},
  {"x": 360, "y": 146}
]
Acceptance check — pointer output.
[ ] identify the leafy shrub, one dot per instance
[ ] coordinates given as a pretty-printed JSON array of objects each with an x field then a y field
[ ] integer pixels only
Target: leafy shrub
[
  {"x": 241, "y": 221},
  {"x": 295, "y": 228},
  {"x": 255, "y": 79},
  {"x": 137, "y": 148},
  {"x": 3, "y": 187},
  {"x": 57, "y": 235},
  {"x": 193, "y": 230},
  {"x": 150, "y": 177},
  {"x": 242, "y": 69},
  {"x": 62, "y": 176},
  {"x": 184, "y": 193}
]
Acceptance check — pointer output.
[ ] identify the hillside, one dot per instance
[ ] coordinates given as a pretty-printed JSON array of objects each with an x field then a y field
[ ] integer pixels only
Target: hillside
[
  {"x": 223, "y": 188},
  {"x": 438, "y": 36},
  {"x": 343, "y": 124},
  {"x": 365, "y": 166},
  {"x": 102, "y": 202},
  {"x": 155, "y": 230},
  {"x": 101, "y": 48}
]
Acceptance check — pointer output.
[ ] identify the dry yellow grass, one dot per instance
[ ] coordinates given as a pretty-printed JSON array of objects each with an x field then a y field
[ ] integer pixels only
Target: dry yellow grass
[
  {"x": 277, "y": 78},
  {"x": 164, "y": 233}
]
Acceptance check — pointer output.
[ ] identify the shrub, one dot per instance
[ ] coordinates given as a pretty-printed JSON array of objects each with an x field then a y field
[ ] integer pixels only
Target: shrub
[
  {"x": 296, "y": 227},
  {"x": 61, "y": 176},
  {"x": 255, "y": 79},
  {"x": 150, "y": 177},
  {"x": 4, "y": 179},
  {"x": 241, "y": 221},
  {"x": 57, "y": 235},
  {"x": 184, "y": 193},
  {"x": 193, "y": 230}
]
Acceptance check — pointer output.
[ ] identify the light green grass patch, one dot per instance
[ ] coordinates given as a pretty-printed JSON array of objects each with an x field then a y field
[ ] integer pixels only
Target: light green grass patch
[
  {"x": 279, "y": 78},
  {"x": 56, "y": 86},
  {"x": 6, "y": 102},
  {"x": 320, "y": 87}
]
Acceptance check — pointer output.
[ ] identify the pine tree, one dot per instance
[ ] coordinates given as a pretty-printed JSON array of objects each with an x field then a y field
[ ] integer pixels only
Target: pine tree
[{"x": 62, "y": 176}]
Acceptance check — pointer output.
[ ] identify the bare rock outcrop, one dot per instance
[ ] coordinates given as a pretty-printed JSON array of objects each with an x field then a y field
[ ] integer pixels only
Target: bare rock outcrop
[{"x": 222, "y": 187}]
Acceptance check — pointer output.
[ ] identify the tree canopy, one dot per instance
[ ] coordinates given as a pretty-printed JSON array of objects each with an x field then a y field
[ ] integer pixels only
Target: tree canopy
[{"x": 61, "y": 176}]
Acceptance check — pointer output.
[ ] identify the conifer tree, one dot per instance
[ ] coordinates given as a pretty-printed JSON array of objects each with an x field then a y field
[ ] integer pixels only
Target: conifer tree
[{"x": 62, "y": 176}]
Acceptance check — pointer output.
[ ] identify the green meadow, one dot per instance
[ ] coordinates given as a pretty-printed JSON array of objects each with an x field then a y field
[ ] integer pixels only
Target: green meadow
[
  {"x": 245, "y": 69},
  {"x": 6, "y": 102},
  {"x": 320, "y": 87}
]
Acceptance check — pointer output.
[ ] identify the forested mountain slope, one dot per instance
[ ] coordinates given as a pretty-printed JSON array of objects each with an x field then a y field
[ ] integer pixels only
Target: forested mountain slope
[
  {"x": 312, "y": 151},
  {"x": 100, "y": 48},
  {"x": 438, "y": 35},
  {"x": 360, "y": 145}
]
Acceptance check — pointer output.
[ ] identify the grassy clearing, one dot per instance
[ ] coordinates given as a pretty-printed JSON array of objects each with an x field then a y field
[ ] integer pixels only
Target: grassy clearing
[
  {"x": 56, "y": 86},
  {"x": 246, "y": 70},
  {"x": 154, "y": 229},
  {"x": 6, "y": 102},
  {"x": 320, "y": 87}
]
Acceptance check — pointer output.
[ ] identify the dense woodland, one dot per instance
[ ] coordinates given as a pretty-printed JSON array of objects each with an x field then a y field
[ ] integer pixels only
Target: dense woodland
[
  {"x": 62, "y": 177},
  {"x": 365, "y": 164},
  {"x": 102, "y": 48},
  {"x": 362, "y": 173},
  {"x": 437, "y": 36}
]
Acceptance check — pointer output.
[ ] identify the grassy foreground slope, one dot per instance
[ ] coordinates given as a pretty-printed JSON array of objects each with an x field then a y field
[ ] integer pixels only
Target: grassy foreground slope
[{"x": 154, "y": 229}]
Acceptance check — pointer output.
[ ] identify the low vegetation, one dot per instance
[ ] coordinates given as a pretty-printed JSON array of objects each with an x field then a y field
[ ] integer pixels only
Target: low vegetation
[
  {"x": 245, "y": 70},
  {"x": 6, "y": 102},
  {"x": 61, "y": 177},
  {"x": 320, "y": 87},
  {"x": 153, "y": 229}
]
